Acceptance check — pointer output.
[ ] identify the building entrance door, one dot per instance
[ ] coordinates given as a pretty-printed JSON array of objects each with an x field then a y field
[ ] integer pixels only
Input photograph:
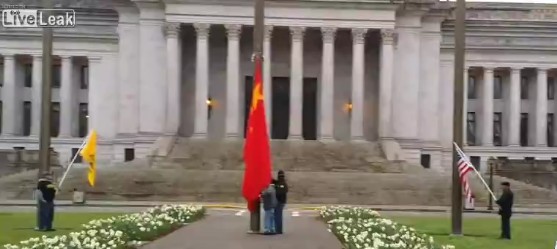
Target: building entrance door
[{"x": 309, "y": 109}]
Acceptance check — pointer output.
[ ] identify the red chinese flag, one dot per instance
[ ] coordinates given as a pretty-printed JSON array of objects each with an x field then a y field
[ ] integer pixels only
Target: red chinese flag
[{"x": 257, "y": 150}]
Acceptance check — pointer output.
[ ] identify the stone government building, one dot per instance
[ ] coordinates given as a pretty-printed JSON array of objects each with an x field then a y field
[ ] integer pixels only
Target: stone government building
[{"x": 375, "y": 70}]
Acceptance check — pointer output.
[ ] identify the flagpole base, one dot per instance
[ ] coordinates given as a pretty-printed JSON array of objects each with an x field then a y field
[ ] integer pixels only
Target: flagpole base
[{"x": 255, "y": 219}]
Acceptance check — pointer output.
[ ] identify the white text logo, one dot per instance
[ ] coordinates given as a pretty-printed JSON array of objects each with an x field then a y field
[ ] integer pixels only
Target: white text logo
[{"x": 36, "y": 18}]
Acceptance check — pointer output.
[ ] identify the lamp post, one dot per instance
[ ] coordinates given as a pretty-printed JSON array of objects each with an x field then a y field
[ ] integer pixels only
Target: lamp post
[
  {"x": 258, "y": 35},
  {"x": 46, "y": 96},
  {"x": 458, "y": 121},
  {"x": 490, "y": 183}
]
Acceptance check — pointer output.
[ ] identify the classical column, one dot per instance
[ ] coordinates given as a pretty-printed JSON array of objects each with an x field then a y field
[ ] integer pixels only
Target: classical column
[
  {"x": 296, "y": 82},
  {"x": 267, "y": 77},
  {"x": 541, "y": 108},
  {"x": 327, "y": 84},
  {"x": 386, "y": 82},
  {"x": 173, "y": 73},
  {"x": 514, "y": 115},
  {"x": 67, "y": 98},
  {"x": 487, "y": 111},
  {"x": 233, "y": 81},
  {"x": 95, "y": 94},
  {"x": 11, "y": 117},
  {"x": 358, "y": 65},
  {"x": 465, "y": 107},
  {"x": 153, "y": 89},
  {"x": 36, "y": 92},
  {"x": 201, "y": 79},
  {"x": 128, "y": 68}
]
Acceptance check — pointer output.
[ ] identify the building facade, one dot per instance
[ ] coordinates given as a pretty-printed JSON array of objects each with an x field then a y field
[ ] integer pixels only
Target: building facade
[{"x": 373, "y": 70}]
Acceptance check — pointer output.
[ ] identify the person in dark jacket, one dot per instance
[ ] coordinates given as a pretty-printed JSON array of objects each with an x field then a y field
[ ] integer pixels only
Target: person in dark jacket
[
  {"x": 281, "y": 190},
  {"x": 269, "y": 199},
  {"x": 49, "y": 196},
  {"x": 45, "y": 194},
  {"x": 505, "y": 203},
  {"x": 41, "y": 204}
]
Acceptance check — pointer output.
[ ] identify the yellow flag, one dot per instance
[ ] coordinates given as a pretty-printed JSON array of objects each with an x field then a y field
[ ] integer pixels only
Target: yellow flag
[{"x": 89, "y": 154}]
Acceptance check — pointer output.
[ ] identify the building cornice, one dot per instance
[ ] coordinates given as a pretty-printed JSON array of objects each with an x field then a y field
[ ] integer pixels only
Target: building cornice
[
  {"x": 339, "y": 4},
  {"x": 97, "y": 38},
  {"x": 96, "y": 4}
]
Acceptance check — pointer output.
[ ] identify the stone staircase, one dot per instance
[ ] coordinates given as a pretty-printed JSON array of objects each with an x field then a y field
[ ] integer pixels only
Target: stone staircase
[
  {"x": 325, "y": 173},
  {"x": 306, "y": 156}
]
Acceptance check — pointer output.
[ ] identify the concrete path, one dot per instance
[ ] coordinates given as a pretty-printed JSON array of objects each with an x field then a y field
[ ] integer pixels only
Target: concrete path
[
  {"x": 229, "y": 230},
  {"x": 135, "y": 206}
]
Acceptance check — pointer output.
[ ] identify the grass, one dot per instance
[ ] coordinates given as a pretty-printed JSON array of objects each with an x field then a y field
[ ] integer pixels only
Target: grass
[
  {"x": 15, "y": 227},
  {"x": 484, "y": 232}
]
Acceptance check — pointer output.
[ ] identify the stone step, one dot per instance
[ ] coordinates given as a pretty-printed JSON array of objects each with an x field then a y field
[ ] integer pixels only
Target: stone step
[
  {"x": 288, "y": 155},
  {"x": 378, "y": 167},
  {"x": 127, "y": 183}
]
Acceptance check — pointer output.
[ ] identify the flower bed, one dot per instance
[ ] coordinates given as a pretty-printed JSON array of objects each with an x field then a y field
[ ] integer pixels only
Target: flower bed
[
  {"x": 362, "y": 228},
  {"x": 120, "y": 232}
]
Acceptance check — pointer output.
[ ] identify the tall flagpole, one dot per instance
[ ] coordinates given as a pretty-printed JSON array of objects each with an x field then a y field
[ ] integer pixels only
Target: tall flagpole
[
  {"x": 46, "y": 96},
  {"x": 258, "y": 35},
  {"x": 458, "y": 112}
]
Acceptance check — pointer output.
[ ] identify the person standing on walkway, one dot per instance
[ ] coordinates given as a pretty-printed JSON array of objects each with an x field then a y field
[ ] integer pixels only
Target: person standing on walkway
[
  {"x": 41, "y": 204},
  {"x": 505, "y": 203},
  {"x": 282, "y": 191},
  {"x": 269, "y": 203},
  {"x": 49, "y": 195}
]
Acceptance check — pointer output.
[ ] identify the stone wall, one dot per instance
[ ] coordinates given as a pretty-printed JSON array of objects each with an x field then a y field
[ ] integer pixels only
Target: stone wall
[
  {"x": 541, "y": 173},
  {"x": 18, "y": 160}
]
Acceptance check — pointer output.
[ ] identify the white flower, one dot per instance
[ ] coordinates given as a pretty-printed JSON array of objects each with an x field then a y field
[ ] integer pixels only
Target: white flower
[
  {"x": 116, "y": 232},
  {"x": 363, "y": 228}
]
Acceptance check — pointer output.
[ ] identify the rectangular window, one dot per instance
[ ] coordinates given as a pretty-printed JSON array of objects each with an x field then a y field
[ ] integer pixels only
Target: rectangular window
[
  {"x": 84, "y": 82},
  {"x": 497, "y": 87},
  {"x": 129, "y": 154},
  {"x": 425, "y": 160},
  {"x": 472, "y": 87},
  {"x": 26, "y": 118},
  {"x": 497, "y": 129},
  {"x": 28, "y": 71},
  {"x": 475, "y": 160},
  {"x": 471, "y": 128},
  {"x": 55, "y": 122},
  {"x": 1, "y": 114},
  {"x": 550, "y": 88},
  {"x": 550, "y": 130},
  {"x": 524, "y": 87},
  {"x": 56, "y": 76},
  {"x": 83, "y": 117},
  {"x": 524, "y": 129},
  {"x": 1, "y": 72},
  {"x": 78, "y": 159}
]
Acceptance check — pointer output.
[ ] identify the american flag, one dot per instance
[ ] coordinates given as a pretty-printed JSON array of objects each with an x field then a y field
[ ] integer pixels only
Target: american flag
[{"x": 464, "y": 166}]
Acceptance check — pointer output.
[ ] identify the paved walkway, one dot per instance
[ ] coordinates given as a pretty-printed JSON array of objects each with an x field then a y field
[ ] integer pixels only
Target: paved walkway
[
  {"x": 16, "y": 205},
  {"x": 228, "y": 230}
]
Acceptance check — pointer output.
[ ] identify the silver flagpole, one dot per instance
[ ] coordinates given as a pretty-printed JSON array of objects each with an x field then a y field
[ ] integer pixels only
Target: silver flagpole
[
  {"x": 475, "y": 170},
  {"x": 73, "y": 160}
]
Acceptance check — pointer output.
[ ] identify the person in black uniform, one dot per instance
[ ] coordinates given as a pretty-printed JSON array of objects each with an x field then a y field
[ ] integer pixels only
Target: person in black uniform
[
  {"x": 505, "y": 203},
  {"x": 49, "y": 196},
  {"x": 282, "y": 191}
]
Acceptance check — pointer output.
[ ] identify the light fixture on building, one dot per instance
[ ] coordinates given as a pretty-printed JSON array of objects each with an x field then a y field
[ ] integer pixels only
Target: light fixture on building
[
  {"x": 210, "y": 103},
  {"x": 87, "y": 116},
  {"x": 348, "y": 107}
]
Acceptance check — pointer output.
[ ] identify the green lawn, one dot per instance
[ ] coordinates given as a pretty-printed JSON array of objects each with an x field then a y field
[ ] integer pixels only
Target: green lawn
[
  {"x": 480, "y": 233},
  {"x": 15, "y": 227}
]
